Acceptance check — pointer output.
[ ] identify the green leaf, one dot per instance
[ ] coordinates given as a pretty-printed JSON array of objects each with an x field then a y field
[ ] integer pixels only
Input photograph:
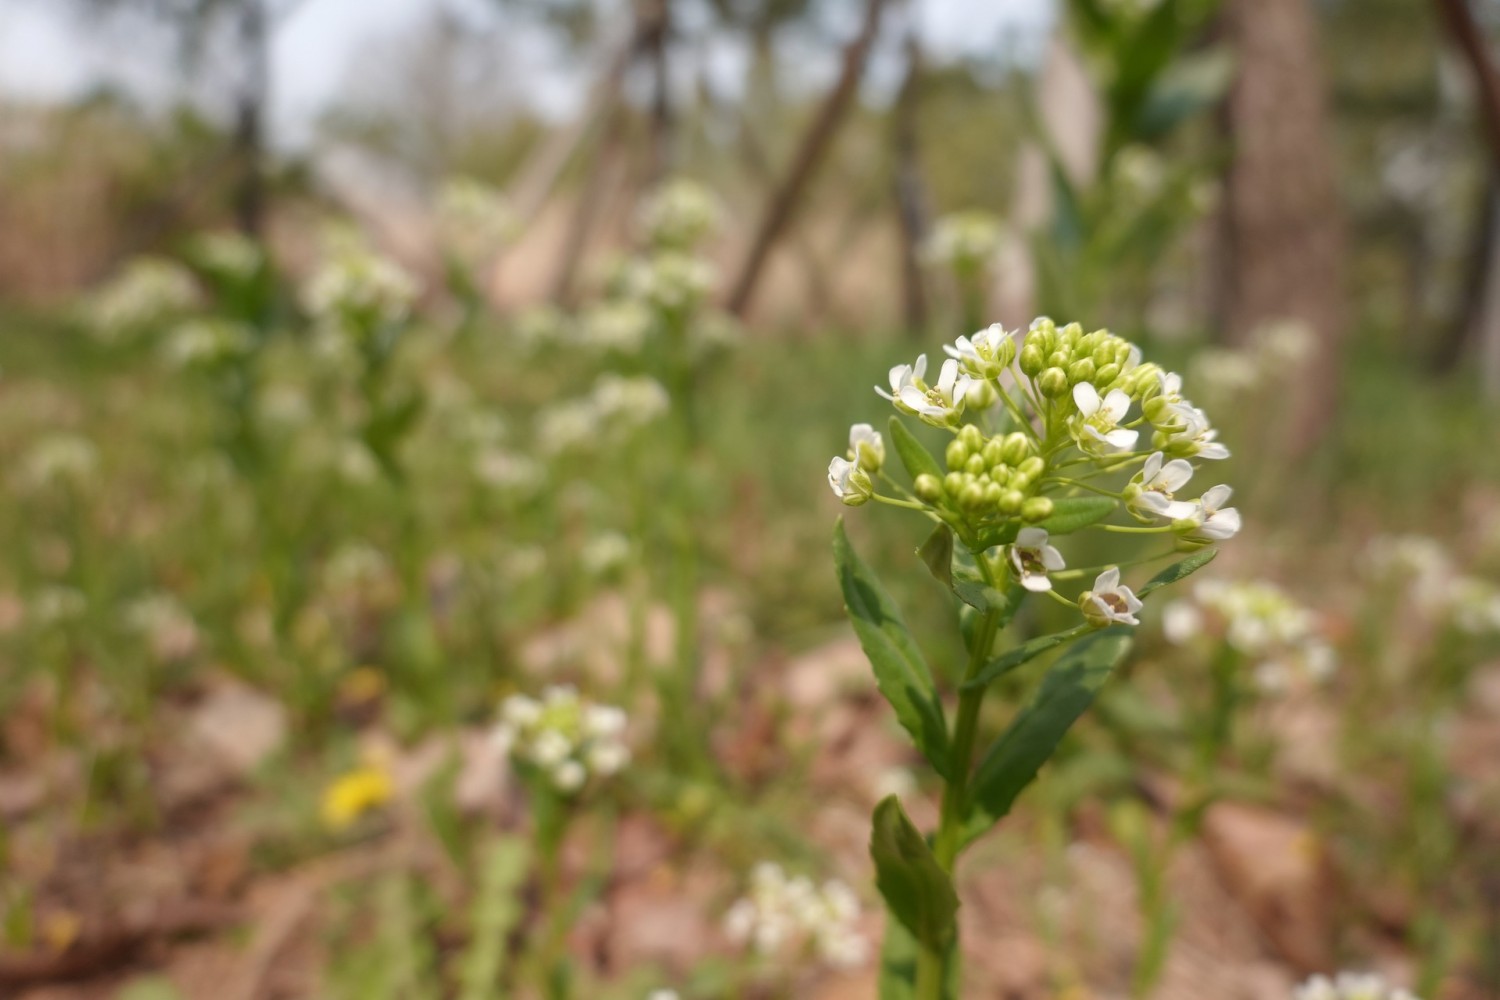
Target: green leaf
[
  {"x": 498, "y": 907},
  {"x": 972, "y": 588},
  {"x": 901, "y": 672},
  {"x": 1070, "y": 514},
  {"x": 937, "y": 553},
  {"x": 1021, "y": 655},
  {"x": 1193, "y": 84},
  {"x": 914, "y": 456},
  {"x": 898, "y": 966},
  {"x": 917, "y": 891},
  {"x": 1178, "y": 571},
  {"x": 1033, "y": 735}
]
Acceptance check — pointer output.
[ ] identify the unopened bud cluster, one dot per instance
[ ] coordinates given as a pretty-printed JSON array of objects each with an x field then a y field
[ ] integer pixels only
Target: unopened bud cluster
[
  {"x": 989, "y": 478},
  {"x": 564, "y": 737}
]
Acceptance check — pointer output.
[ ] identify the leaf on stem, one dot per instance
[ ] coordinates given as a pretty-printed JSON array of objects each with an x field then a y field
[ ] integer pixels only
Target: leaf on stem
[
  {"x": 1021, "y": 655},
  {"x": 1178, "y": 571},
  {"x": 1033, "y": 735},
  {"x": 914, "y": 456},
  {"x": 937, "y": 553},
  {"x": 901, "y": 672},
  {"x": 917, "y": 891}
]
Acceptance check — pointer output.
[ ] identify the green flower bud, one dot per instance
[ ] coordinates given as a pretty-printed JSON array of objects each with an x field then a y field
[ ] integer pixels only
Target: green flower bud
[
  {"x": 994, "y": 452},
  {"x": 1070, "y": 333},
  {"x": 1011, "y": 501},
  {"x": 981, "y": 395},
  {"x": 1105, "y": 375},
  {"x": 975, "y": 465},
  {"x": 1144, "y": 381},
  {"x": 1036, "y": 509},
  {"x": 928, "y": 488},
  {"x": 1032, "y": 360},
  {"x": 1103, "y": 355},
  {"x": 1017, "y": 447},
  {"x": 1022, "y": 481},
  {"x": 992, "y": 494},
  {"x": 1033, "y": 466},
  {"x": 972, "y": 497},
  {"x": 1053, "y": 383},
  {"x": 972, "y": 437},
  {"x": 1081, "y": 371},
  {"x": 953, "y": 483},
  {"x": 1156, "y": 409},
  {"x": 1059, "y": 359},
  {"x": 956, "y": 454}
]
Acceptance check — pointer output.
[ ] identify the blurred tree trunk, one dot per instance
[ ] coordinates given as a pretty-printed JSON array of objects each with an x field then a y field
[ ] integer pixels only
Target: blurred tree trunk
[
  {"x": 810, "y": 150},
  {"x": 911, "y": 202},
  {"x": 1284, "y": 225},
  {"x": 656, "y": 35},
  {"x": 1481, "y": 314},
  {"x": 249, "y": 127}
]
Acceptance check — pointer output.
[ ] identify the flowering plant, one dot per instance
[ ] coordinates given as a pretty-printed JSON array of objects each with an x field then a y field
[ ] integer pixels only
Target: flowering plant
[{"x": 1049, "y": 438}]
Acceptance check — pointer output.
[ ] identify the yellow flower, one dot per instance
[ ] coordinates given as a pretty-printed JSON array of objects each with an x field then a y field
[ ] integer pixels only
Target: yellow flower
[{"x": 355, "y": 794}]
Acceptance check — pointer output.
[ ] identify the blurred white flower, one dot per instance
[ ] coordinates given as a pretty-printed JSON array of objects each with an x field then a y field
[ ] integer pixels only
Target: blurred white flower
[
  {"x": 567, "y": 738},
  {"x": 474, "y": 220},
  {"x": 149, "y": 291},
  {"x": 778, "y": 912},
  {"x": 964, "y": 240},
  {"x": 605, "y": 554},
  {"x": 1350, "y": 986},
  {"x": 355, "y": 291},
  {"x": 620, "y": 326},
  {"x": 680, "y": 214},
  {"x": 57, "y": 459}
]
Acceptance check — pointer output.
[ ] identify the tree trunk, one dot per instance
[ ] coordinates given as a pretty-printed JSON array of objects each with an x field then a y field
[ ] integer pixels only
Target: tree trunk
[
  {"x": 586, "y": 210},
  {"x": 911, "y": 207},
  {"x": 656, "y": 35},
  {"x": 249, "y": 130},
  {"x": 1284, "y": 224},
  {"x": 814, "y": 144}
]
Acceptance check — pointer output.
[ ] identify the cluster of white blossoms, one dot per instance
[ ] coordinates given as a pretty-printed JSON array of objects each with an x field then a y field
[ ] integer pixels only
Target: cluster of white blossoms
[
  {"x": 669, "y": 281},
  {"x": 148, "y": 292},
  {"x": 1066, "y": 415},
  {"x": 475, "y": 221},
  {"x": 1435, "y": 584},
  {"x": 563, "y": 736},
  {"x": 1227, "y": 373},
  {"x": 1350, "y": 986},
  {"x": 680, "y": 214},
  {"x": 228, "y": 254},
  {"x": 963, "y": 239},
  {"x": 59, "y": 459},
  {"x": 1260, "y": 621},
  {"x": 618, "y": 404},
  {"x": 207, "y": 343},
  {"x": 780, "y": 913},
  {"x": 618, "y": 325},
  {"x": 355, "y": 290}
]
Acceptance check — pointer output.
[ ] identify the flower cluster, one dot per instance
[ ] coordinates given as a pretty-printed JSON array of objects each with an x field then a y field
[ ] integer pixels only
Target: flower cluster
[
  {"x": 205, "y": 344},
  {"x": 563, "y": 736},
  {"x": 474, "y": 220},
  {"x": 1039, "y": 430},
  {"x": 1350, "y": 986},
  {"x": 1258, "y": 620},
  {"x": 357, "y": 290},
  {"x": 1435, "y": 584},
  {"x": 148, "y": 292},
  {"x": 228, "y": 255},
  {"x": 781, "y": 912},
  {"x": 57, "y": 459},
  {"x": 1230, "y": 372},
  {"x": 680, "y": 215},
  {"x": 617, "y": 404},
  {"x": 965, "y": 239}
]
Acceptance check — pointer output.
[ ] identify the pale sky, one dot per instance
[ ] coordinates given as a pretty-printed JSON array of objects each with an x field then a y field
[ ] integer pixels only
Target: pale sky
[{"x": 316, "y": 57}]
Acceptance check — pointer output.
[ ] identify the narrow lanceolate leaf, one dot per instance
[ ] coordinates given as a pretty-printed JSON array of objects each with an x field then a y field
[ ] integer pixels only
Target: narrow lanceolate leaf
[
  {"x": 916, "y": 889},
  {"x": 1033, "y": 735},
  {"x": 937, "y": 553},
  {"x": 1011, "y": 659},
  {"x": 1070, "y": 514},
  {"x": 498, "y": 907},
  {"x": 914, "y": 456},
  {"x": 900, "y": 670},
  {"x": 1178, "y": 571}
]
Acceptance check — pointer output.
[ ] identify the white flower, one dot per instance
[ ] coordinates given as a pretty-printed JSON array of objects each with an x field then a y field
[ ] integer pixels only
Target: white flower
[
  {"x": 866, "y": 447},
  {"x": 902, "y": 376},
  {"x": 1157, "y": 483},
  {"x": 605, "y": 759},
  {"x": 605, "y": 554},
  {"x": 778, "y": 911},
  {"x": 662, "y": 995},
  {"x": 986, "y": 354},
  {"x": 849, "y": 482},
  {"x": 564, "y": 736},
  {"x": 569, "y": 776},
  {"x": 680, "y": 213},
  {"x": 1181, "y": 622},
  {"x": 1349, "y": 986},
  {"x": 1110, "y": 601},
  {"x": 1032, "y": 559},
  {"x": 942, "y": 404},
  {"x": 1190, "y": 434},
  {"x": 1096, "y": 427},
  {"x": 1213, "y": 521}
]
